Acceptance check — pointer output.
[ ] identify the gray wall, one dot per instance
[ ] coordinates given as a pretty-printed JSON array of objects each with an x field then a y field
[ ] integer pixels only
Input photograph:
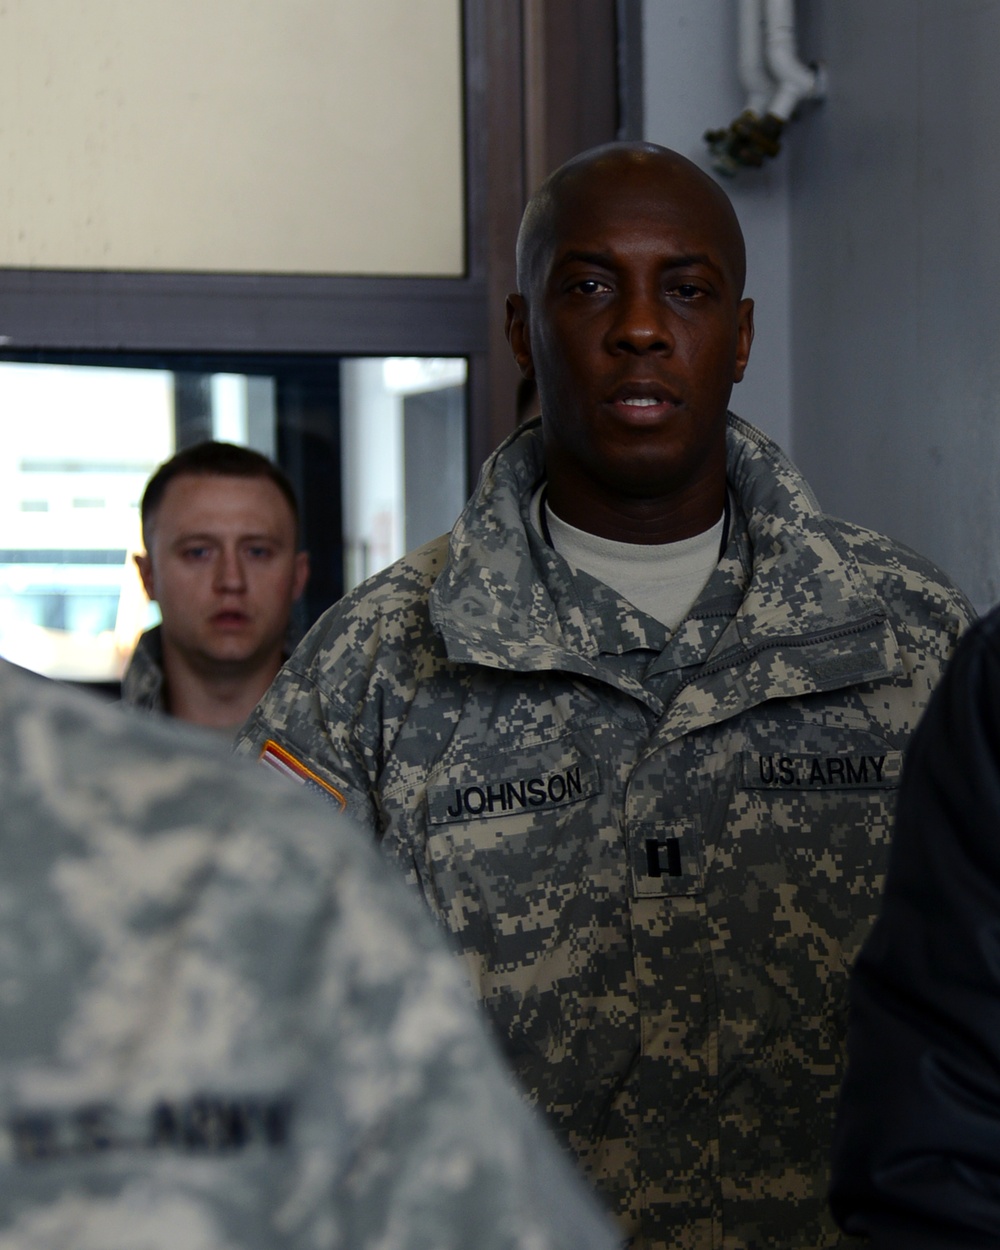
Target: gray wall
[
  {"x": 895, "y": 226},
  {"x": 690, "y": 86},
  {"x": 875, "y": 258}
]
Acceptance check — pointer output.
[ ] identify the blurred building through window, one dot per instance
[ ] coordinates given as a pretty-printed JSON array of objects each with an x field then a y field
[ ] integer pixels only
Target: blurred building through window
[
  {"x": 403, "y": 448},
  {"x": 79, "y": 443}
]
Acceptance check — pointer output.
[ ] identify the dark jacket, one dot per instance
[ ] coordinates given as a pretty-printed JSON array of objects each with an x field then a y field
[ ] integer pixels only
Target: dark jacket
[{"x": 917, "y": 1150}]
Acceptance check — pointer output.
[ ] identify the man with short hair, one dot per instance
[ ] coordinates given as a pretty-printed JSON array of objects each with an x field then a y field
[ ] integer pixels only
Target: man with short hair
[
  {"x": 225, "y": 1026},
  {"x": 633, "y": 728},
  {"x": 220, "y": 525}
]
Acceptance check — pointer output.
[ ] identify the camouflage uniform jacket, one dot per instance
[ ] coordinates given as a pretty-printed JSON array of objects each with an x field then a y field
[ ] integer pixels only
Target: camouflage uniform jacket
[
  {"x": 142, "y": 683},
  {"x": 658, "y": 854},
  {"x": 225, "y": 1025}
]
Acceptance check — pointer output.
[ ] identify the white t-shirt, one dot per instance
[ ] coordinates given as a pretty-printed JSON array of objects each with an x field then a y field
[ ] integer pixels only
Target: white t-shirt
[{"x": 662, "y": 579}]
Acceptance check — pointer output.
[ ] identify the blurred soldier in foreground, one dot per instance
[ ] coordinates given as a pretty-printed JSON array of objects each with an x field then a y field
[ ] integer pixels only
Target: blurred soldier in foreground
[
  {"x": 223, "y": 1028},
  {"x": 221, "y": 529},
  {"x": 917, "y": 1154},
  {"x": 634, "y": 727}
]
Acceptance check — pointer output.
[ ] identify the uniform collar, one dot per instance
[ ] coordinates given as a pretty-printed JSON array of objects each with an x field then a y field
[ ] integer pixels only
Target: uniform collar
[
  {"x": 142, "y": 683},
  {"x": 787, "y": 581}
]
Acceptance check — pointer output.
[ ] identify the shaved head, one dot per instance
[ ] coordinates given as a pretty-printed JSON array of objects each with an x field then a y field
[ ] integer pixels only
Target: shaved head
[
  {"x": 630, "y": 319},
  {"x": 679, "y": 180}
]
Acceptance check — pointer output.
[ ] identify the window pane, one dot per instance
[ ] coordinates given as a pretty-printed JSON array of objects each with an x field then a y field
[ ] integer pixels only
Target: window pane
[
  {"x": 403, "y": 448},
  {"x": 384, "y": 435},
  {"x": 78, "y": 446}
]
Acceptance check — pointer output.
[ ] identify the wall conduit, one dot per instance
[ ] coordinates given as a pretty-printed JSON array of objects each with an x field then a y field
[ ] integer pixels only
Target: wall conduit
[{"x": 776, "y": 83}]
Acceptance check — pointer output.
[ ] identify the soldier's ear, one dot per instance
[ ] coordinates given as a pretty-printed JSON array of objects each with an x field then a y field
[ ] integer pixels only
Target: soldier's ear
[
  {"x": 518, "y": 336},
  {"x": 744, "y": 337},
  {"x": 301, "y": 574},
  {"x": 145, "y": 566}
]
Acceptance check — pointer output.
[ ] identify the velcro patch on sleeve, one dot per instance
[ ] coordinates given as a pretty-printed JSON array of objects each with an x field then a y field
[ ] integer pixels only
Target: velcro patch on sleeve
[{"x": 274, "y": 756}]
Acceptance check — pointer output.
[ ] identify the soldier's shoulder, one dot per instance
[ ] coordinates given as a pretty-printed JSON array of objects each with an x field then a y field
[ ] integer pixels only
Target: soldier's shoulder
[
  {"x": 403, "y": 583},
  {"x": 88, "y": 769},
  {"x": 912, "y": 586},
  {"x": 389, "y": 612}
]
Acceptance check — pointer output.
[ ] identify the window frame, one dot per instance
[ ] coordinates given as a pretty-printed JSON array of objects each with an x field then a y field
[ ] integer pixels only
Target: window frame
[{"x": 247, "y": 314}]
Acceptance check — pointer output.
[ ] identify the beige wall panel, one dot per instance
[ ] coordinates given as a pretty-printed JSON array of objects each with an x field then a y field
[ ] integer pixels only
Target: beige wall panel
[{"x": 271, "y": 136}]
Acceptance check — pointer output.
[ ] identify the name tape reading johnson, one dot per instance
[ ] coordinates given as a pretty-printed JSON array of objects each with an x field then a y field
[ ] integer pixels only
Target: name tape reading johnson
[{"x": 468, "y": 794}]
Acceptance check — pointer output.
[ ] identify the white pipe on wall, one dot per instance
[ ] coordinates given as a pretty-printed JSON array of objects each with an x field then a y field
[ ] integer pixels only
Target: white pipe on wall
[
  {"x": 796, "y": 82},
  {"x": 775, "y": 81},
  {"x": 754, "y": 78}
]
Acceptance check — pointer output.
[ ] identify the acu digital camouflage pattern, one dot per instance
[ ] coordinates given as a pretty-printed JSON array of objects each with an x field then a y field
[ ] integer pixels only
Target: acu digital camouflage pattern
[
  {"x": 142, "y": 682},
  {"x": 222, "y": 1028},
  {"x": 658, "y": 855}
]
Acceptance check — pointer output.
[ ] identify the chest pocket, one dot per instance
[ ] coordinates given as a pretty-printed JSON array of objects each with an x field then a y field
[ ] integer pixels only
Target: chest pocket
[
  {"x": 517, "y": 840},
  {"x": 740, "y": 805}
]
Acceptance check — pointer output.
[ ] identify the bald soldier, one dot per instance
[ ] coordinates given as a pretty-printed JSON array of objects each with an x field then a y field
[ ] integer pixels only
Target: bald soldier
[{"x": 633, "y": 728}]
